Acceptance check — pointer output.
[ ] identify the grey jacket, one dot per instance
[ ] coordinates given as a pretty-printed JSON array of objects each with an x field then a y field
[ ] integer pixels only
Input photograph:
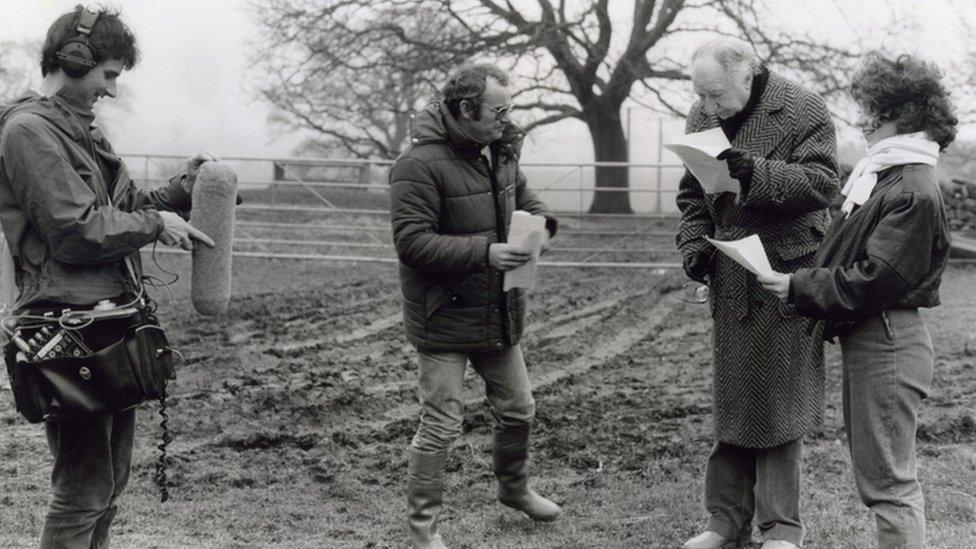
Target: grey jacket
[{"x": 68, "y": 229}]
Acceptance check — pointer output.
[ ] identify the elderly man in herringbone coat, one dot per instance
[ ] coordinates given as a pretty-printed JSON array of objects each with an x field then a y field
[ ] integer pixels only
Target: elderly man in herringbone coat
[{"x": 768, "y": 362}]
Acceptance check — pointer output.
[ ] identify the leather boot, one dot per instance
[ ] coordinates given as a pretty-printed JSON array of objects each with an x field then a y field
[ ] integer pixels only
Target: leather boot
[
  {"x": 511, "y": 458},
  {"x": 425, "y": 489}
]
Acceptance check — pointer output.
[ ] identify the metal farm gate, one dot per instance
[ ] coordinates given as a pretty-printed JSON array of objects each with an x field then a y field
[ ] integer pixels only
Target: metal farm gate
[{"x": 338, "y": 210}]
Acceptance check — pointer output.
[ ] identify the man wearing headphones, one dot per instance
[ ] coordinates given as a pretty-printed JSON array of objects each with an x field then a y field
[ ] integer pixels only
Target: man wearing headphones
[{"x": 74, "y": 222}]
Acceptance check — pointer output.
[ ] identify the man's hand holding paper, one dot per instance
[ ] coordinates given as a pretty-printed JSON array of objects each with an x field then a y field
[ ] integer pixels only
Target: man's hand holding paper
[
  {"x": 505, "y": 257},
  {"x": 699, "y": 152},
  {"x": 527, "y": 234}
]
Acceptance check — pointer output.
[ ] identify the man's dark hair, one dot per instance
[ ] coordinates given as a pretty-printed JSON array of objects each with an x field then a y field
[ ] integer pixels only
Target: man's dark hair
[
  {"x": 907, "y": 91},
  {"x": 469, "y": 83},
  {"x": 110, "y": 38}
]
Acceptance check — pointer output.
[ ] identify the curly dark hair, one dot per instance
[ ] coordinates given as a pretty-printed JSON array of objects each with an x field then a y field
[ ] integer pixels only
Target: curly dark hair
[
  {"x": 469, "y": 83},
  {"x": 907, "y": 91},
  {"x": 110, "y": 38}
]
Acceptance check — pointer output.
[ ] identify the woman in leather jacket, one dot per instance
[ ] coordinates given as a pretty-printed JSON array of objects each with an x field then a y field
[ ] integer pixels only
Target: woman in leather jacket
[{"x": 881, "y": 261}]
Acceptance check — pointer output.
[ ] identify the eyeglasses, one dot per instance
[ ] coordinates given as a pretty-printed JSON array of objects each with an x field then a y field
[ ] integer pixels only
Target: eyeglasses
[
  {"x": 501, "y": 111},
  {"x": 693, "y": 292}
]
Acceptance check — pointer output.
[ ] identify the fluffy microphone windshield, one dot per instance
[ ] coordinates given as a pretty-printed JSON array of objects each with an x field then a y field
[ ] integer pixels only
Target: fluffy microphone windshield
[{"x": 214, "y": 194}]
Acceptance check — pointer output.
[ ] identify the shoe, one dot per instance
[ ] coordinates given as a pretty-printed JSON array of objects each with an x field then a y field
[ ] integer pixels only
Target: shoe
[
  {"x": 779, "y": 544},
  {"x": 511, "y": 457},
  {"x": 425, "y": 492},
  {"x": 533, "y": 505},
  {"x": 434, "y": 542},
  {"x": 707, "y": 540}
]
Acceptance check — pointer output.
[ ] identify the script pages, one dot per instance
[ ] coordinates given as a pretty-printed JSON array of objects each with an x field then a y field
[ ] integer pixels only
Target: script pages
[
  {"x": 525, "y": 231},
  {"x": 748, "y": 252},
  {"x": 8, "y": 286},
  {"x": 698, "y": 151}
]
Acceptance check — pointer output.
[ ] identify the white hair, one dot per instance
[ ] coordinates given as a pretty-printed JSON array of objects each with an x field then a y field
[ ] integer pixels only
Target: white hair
[{"x": 733, "y": 55}]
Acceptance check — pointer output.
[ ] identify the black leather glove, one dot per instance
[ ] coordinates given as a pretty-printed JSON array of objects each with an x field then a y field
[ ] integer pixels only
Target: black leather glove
[
  {"x": 741, "y": 165},
  {"x": 699, "y": 265}
]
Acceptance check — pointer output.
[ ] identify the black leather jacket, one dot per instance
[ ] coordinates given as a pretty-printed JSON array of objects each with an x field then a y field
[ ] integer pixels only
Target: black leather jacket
[{"x": 888, "y": 254}]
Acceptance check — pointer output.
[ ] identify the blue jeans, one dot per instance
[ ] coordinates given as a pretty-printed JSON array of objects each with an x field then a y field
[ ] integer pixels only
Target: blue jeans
[
  {"x": 507, "y": 389},
  {"x": 888, "y": 364},
  {"x": 91, "y": 468}
]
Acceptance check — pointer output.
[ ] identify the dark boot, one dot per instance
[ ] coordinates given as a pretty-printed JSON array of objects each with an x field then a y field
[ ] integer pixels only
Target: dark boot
[
  {"x": 511, "y": 458},
  {"x": 425, "y": 488}
]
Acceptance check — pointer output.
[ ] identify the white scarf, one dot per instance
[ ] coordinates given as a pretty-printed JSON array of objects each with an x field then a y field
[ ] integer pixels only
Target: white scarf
[{"x": 897, "y": 150}]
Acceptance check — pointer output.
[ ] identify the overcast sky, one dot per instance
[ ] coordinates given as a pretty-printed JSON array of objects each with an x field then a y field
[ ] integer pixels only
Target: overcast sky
[{"x": 188, "y": 92}]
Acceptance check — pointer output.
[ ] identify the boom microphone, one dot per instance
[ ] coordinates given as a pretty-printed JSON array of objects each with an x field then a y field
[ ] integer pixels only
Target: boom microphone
[{"x": 214, "y": 194}]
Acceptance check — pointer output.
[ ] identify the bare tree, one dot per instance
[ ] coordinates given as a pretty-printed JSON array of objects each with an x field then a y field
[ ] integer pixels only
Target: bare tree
[
  {"x": 19, "y": 67},
  {"x": 349, "y": 71},
  {"x": 580, "y": 60}
]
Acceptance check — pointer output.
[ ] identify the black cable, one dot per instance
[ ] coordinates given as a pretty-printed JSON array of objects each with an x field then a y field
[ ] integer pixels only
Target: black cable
[
  {"x": 155, "y": 260},
  {"x": 150, "y": 307},
  {"x": 160, "y": 477}
]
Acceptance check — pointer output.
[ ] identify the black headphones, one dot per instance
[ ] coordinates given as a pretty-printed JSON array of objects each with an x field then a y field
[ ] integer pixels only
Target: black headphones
[{"x": 76, "y": 56}]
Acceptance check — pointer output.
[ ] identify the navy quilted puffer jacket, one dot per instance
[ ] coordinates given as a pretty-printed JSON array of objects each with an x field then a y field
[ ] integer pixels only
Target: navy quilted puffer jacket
[{"x": 447, "y": 206}]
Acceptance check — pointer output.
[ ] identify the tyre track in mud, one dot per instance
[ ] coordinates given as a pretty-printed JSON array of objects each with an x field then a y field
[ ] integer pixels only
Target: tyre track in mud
[
  {"x": 340, "y": 415},
  {"x": 561, "y": 329},
  {"x": 358, "y": 386}
]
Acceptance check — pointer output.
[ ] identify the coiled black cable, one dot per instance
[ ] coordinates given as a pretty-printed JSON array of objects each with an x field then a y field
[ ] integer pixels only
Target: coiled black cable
[{"x": 160, "y": 477}]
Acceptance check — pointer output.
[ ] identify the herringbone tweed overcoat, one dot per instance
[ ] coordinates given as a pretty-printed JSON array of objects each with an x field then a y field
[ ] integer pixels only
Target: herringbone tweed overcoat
[{"x": 768, "y": 361}]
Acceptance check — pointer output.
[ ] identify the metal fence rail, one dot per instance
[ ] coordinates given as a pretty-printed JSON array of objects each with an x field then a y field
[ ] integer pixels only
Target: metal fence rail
[
  {"x": 367, "y": 259},
  {"x": 309, "y": 206},
  {"x": 386, "y": 229},
  {"x": 566, "y": 186}
]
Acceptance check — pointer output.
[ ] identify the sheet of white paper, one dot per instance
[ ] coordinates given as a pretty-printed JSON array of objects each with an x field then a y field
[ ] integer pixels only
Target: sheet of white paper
[
  {"x": 8, "y": 289},
  {"x": 525, "y": 231},
  {"x": 748, "y": 252},
  {"x": 698, "y": 151}
]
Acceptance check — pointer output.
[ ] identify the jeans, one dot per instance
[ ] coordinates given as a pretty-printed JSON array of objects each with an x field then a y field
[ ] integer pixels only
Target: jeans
[
  {"x": 92, "y": 456},
  {"x": 888, "y": 364},
  {"x": 763, "y": 482},
  {"x": 91, "y": 468},
  {"x": 507, "y": 389}
]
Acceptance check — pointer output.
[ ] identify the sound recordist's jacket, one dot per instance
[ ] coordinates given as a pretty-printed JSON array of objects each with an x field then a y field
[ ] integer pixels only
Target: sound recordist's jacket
[
  {"x": 449, "y": 203},
  {"x": 69, "y": 210}
]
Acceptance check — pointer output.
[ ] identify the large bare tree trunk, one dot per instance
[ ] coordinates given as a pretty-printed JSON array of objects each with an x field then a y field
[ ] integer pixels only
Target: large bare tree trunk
[{"x": 609, "y": 145}]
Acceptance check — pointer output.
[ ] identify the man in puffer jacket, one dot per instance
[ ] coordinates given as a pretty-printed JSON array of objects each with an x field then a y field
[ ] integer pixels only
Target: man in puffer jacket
[{"x": 452, "y": 197}]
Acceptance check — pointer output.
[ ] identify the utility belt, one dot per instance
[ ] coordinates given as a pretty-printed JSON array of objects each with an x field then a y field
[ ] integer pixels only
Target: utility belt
[{"x": 78, "y": 363}]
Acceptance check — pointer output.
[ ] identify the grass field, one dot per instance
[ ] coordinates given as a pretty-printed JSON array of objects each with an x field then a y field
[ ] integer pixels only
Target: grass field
[{"x": 293, "y": 412}]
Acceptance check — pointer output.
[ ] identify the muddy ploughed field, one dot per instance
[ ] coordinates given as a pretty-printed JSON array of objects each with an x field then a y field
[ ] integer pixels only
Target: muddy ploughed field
[{"x": 293, "y": 411}]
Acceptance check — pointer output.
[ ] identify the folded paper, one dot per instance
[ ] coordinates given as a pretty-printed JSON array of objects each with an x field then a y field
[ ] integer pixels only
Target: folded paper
[
  {"x": 748, "y": 252},
  {"x": 698, "y": 151},
  {"x": 525, "y": 231}
]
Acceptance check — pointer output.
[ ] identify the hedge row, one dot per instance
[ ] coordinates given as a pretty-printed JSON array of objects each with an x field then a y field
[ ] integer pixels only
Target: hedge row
[{"x": 960, "y": 201}]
